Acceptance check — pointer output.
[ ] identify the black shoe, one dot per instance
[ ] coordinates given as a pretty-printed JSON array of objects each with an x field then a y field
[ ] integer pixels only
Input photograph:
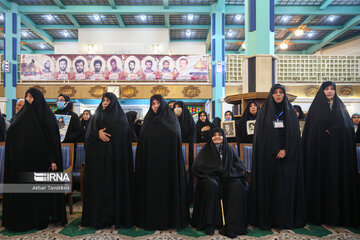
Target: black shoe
[
  {"x": 209, "y": 230},
  {"x": 225, "y": 233}
]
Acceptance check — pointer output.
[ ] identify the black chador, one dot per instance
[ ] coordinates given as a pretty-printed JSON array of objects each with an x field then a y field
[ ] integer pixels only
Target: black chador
[
  {"x": 131, "y": 116},
  {"x": 32, "y": 145},
  {"x": 108, "y": 168},
  {"x": 203, "y": 136},
  {"x": 330, "y": 166},
  {"x": 220, "y": 175},
  {"x": 243, "y": 136},
  {"x": 276, "y": 195},
  {"x": 160, "y": 182}
]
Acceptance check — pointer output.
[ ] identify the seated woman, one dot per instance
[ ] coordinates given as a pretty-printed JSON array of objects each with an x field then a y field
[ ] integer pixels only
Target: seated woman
[
  {"x": 32, "y": 145},
  {"x": 108, "y": 168},
  {"x": 203, "y": 127},
  {"x": 220, "y": 175},
  {"x": 276, "y": 194},
  {"x": 250, "y": 113}
]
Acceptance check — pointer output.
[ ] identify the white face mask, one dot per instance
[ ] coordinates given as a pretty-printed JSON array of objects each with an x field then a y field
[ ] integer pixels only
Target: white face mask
[{"x": 178, "y": 111}]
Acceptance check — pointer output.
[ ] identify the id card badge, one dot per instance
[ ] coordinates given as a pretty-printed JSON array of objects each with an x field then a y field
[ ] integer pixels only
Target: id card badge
[{"x": 278, "y": 124}]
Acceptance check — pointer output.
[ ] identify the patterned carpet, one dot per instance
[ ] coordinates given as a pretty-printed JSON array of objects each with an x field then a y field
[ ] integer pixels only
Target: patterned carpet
[{"x": 74, "y": 231}]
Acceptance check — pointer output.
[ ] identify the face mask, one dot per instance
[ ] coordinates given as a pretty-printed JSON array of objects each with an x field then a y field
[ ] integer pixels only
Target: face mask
[
  {"x": 227, "y": 119},
  {"x": 177, "y": 111},
  {"x": 61, "y": 105}
]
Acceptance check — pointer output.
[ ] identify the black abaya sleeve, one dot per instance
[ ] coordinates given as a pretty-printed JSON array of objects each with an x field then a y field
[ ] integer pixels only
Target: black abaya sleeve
[{"x": 74, "y": 131}]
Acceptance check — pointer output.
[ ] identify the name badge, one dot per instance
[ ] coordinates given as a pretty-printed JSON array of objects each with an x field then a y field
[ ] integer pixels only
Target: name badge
[{"x": 278, "y": 124}]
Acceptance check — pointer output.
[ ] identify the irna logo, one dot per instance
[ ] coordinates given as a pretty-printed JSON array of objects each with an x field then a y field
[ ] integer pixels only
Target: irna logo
[{"x": 52, "y": 177}]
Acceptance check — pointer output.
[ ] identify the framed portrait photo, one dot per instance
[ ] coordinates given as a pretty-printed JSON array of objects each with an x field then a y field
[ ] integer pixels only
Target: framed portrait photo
[
  {"x": 250, "y": 127},
  {"x": 229, "y": 128}
]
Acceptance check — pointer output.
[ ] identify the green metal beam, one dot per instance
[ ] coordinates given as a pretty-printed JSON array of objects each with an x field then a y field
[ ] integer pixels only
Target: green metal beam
[
  {"x": 308, "y": 41},
  {"x": 120, "y": 20},
  {"x": 290, "y": 52},
  {"x": 41, "y": 33},
  {"x": 166, "y": 4},
  {"x": 188, "y": 40},
  {"x": 167, "y": 20},
  {"x": 73, "y": 20},
  {"x": 5, "y": 5},
  {"x": 335, "y": 34},
  {"x": 130, "y": 9},
  {"x": 112, "y": 4},
  {"x": 310, "y": 10},
  {"x": 190, "y": 26},
  {"x": 325, "y": 4},
  {"x": 59, "y": 4},
  {"x": 27, "y": 48},
  {"x": 208, "y": 40}
]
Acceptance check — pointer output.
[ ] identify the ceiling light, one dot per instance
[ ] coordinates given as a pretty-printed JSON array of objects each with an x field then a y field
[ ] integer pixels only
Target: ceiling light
[
  {"x": 230, "y": 33},
  {"x": 65, "y": 33},
  {"x": 96, "y": 17},
  {"x": 331, "y": 18},
  {"x": 285, "y": 18},
  {"x": 188, "y": 33},
  {"x": 243, "y": 45},
  {"x": 299, "y": 32},
  {"x": 310, "y": 34},
  {"x": 283, "y": 46},
  {"x": 25, "y": 34},
  {"x": 238, "y": 17},
  {"x": 42, "y": 46},
  {"x": 190, "y": 17},
  {"x": 143, "y": 17},
  {"x": 1, "y": 16},
  {"x": 49, "y": 17}
]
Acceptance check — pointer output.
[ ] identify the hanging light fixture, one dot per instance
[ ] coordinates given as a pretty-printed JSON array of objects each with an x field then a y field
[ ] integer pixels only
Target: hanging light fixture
[
  {"x": 283, "y": 46},
  {"x": 299, "y": 32},
  {"x": 243, "y": 45}
]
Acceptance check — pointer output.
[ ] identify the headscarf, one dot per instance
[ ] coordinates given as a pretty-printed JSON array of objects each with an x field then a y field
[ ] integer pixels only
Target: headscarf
[
  {"x": 301, "y": 113},
  {"x": 187, "y": 123},
  {"x": 201, "y": 124},
  {"x": 68, "y": 108},
  {"x": 242, "y": 135}
]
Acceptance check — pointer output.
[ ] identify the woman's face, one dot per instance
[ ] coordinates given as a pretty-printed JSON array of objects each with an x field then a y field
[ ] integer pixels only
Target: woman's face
[
  {"x": 155, "y": 105},
  {"x": 329, "y": 92},
  {"x": 253, "y": 109},
  {"x": 105, "y": 103},
  {"x": 29, "y": 98},
  {"x": 297, "y": 113},
  {"x": 228, "y": 115},
  {"x": 202, "y": 117},
  {"x": 61, "y": 99},
  {"x": 86, "y": 115},
  {"x": 356, "y": 119},
  {"x": 217, "y": 138},
  {"x": 278, "y": 95}
]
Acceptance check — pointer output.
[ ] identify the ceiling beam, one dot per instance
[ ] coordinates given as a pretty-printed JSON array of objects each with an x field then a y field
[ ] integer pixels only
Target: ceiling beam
[
  {"x": 208, "y": 39},
  {"x": 59, "y": 4},
  {"x": 167, "y": 20},
  {"x": 190, "y": 26},
  {"x": 5, "y": 5},
  {"x": 27, "y": 48},
  {"x": 120, "y": 20},
  {"x": 112, "y": 4},
  {"x": 41, "y": 33},
  {"x": 73, "y": 20},
  {"x": 166, "y": 4},
  {"x": 325, "y": 4},
  {"x": 335, "y": 34}
]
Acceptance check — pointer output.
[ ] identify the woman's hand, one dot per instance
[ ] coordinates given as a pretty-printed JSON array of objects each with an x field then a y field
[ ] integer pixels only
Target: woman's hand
[
  {"x": 53, "y": 167},
  {"x": 281, "y": 154},
  {"x": 103, "y": 135},
  {"x": 206, "y": 128}
]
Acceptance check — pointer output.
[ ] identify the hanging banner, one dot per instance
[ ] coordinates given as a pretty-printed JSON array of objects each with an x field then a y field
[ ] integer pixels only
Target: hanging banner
[{"x": 146, "y": 68}]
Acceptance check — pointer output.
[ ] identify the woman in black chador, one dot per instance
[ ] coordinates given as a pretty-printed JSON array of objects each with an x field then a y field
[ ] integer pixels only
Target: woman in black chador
[
  {"x": 85, "y": 121},
  {"x": 220, "y": 175},
  {"x": 160, "y": 182},
  {"x": 330, "y": 167},
  {"x": 132, "y": 117},
  {"x": 249, "y": 114},
  {"x": 108, "y": 169},
  {"x": 32, "y": 145},
  {"x": 188, "y": 131},
  {"x": 299, "y": 112},
  {"x": 203, "y": 128},
  {"x": 276, "y": 195}
]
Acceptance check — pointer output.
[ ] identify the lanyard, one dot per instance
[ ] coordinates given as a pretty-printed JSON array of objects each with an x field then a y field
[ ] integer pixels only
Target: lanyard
[{"x": 277, "y": 116}]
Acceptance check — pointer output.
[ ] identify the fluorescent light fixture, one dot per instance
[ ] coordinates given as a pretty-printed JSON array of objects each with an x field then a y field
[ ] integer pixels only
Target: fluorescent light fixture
[
  {"x": 299, "y": 32},
  {"x": 243, "y": 45},
  {"x": 96, "y": 17},
  {"x": 25, "y": 34},
  {"x": 230, "y": 33},
  {"x": 283, "y": 46},
  {"x": 190, "y": 17},
  {"x": 332, "y": 18},
  {"x": 42, "y": 46},
  {"x": 143, "y": 17},
  {"x": 238, "y": 17},
  {"x": 310, "y": 34},
  {"x": 188, "y": 33}
]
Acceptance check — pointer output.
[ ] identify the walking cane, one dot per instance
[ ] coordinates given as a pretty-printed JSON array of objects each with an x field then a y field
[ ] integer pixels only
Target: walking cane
[{"x": 222, "y": 212}]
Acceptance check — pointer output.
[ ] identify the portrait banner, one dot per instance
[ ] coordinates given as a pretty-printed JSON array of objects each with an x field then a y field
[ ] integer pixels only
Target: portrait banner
[{"x": 63, "y": 123}]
